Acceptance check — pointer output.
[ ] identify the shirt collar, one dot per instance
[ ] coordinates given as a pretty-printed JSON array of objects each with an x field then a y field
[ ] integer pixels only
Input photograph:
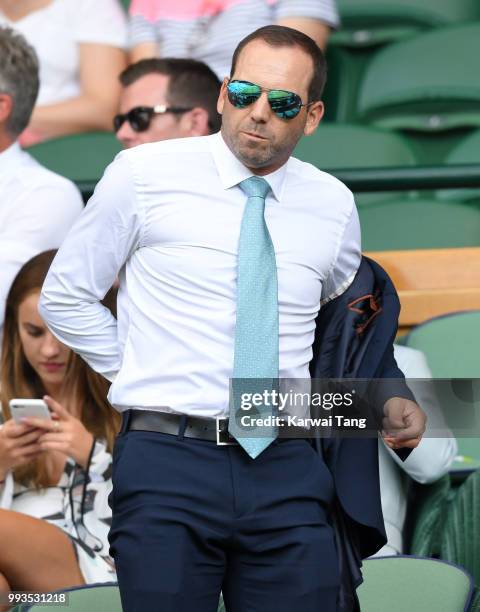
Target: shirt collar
[
  {"x": 232, "y": 172},
  {"x": 11, "y": 156}
]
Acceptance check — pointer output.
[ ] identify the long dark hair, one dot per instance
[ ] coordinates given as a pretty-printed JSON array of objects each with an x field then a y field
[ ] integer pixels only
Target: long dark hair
[{"x": 19, "y": 379}]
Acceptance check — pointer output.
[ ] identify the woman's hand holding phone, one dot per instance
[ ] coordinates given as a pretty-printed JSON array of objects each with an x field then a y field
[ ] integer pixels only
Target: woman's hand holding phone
[
  {"x": 63, "y": 433},
  {"x": 19, "y": 444}
]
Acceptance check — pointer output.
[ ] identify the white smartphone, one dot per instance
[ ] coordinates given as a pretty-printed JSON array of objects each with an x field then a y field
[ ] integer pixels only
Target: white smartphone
[{"x": 20, "y": 408}]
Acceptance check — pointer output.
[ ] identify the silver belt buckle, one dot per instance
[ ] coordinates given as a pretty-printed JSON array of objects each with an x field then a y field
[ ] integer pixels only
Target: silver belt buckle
[{"x": 222, "y": 432}]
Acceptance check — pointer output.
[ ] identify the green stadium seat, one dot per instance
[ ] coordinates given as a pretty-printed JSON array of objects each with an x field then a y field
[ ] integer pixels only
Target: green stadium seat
[
  {"x": 374, "y": 22},
  {"x": 415, "y": 584},
  {"x": 450, "y": 344},
  {"x": 466, "y": 152},
  {"x": 82, "y": 157},
  {"x": 428, "y": 83},
  {"x": 419, "y": 223},
  {"x": 461, "y": 541},
  {"x": 343, "y": 145},
  {"x": 348, "y": 146},
  {"x": 126, "y": 4},
  {"x": 427, "y": 512},
  {"x": 345, "y": 74}
]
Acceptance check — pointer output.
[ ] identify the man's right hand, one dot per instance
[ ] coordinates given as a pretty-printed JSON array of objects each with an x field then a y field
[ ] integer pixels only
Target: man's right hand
[{"x": 18, "y": 445}]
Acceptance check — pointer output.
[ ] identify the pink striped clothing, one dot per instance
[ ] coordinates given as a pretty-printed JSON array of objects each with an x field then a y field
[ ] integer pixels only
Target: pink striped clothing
[{"x": 209, "y": 30}]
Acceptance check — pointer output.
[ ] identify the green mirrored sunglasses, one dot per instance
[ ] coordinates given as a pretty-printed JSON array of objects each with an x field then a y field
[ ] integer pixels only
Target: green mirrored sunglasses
[{"x": 285, "y": 104}]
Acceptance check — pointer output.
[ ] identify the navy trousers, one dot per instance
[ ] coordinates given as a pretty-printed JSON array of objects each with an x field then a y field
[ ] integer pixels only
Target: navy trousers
[{"x": 191, "y": 518}]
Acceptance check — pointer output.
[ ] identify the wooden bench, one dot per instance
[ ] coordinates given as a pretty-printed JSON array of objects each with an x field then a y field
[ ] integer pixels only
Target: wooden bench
[{"x": 432, "y": 282}]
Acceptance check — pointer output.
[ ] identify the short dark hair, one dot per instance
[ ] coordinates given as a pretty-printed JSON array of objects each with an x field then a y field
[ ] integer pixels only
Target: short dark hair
[
  {"x": 192, "y": 83},
  {"x": 281, "y": 36},
  {"x": 18, "y": 78}
]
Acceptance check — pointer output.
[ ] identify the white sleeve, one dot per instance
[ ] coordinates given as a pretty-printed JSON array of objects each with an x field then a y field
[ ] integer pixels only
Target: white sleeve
[
  {"x": 86, "y": 266},
  {"x": 100, "y": 21},
  {"x": 41, "y": 219},
  {"x": 432, "y": 458},
  {"x": 6, "y": 492},
  {"x": 347, "y": 258},
  {"x": 323, "y": 10}
]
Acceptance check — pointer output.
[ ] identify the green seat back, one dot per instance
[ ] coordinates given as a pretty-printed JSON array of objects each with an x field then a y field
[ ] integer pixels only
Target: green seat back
[
  {"x": 354, "y": 146},
  {"x": 345, "y": 74},
  {"x": 348, "y": 146},
  {"x": 450, "y": 344},
  {"x": 460, "y": 542},
  {"x": 374, "y": 22},
  {"x": 126, "y": 4},
  {"x": 419, "y": 223},
  {"x": 467, "y": 151},
  {"x": 82, "y": 157},
  {"x": 428, "y": 512},
  {"x": 399, "y": 584},
  {"x": 427, "y": 83},
  {"x": 100, "y": 597},
  {"x": 475, "y": 605}
]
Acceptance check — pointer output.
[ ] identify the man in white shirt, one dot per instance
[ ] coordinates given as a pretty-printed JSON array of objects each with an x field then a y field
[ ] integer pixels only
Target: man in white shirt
[
  {"x": 427, "y": 463},
  {"x": 37, "y": 207},
  {"x": 216, "y": 240}
]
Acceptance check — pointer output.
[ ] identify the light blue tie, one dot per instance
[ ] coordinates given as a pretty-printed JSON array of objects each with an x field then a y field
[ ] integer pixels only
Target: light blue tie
[{"x": 256, "y": 332}]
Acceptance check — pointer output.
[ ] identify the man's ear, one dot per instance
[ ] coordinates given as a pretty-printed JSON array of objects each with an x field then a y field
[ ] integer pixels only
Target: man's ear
[
  {"x": 6, "y": 107},
  {"x": 195, "y": 122},
  {"x": 222, "y": 96},
  {"x": 314, "y": 115}
]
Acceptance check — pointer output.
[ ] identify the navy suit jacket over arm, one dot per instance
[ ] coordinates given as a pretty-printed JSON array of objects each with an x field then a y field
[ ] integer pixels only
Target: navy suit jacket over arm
[{"x": 354, "y": 339}]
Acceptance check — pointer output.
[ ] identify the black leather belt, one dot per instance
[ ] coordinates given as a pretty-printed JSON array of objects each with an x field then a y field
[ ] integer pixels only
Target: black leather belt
[{"x": 215, "y": 430}]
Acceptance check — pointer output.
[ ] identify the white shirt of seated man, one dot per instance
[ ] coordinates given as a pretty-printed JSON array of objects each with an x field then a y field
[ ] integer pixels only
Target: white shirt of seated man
[
  {"x": 428, "y": 462},
  {"x": 38, "y": 207}
]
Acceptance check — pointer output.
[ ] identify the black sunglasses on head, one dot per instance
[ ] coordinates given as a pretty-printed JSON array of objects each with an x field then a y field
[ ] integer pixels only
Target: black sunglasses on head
[
  {"x": 285, "y": 104},
  {"x": 140, "y": 117}
]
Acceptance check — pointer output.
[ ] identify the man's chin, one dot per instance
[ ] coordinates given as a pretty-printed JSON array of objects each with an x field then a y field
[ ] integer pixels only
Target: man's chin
[{"x": 254, "y": 156}]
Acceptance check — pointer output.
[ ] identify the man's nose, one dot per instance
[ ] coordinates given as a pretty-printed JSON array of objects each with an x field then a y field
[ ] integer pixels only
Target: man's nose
[
  {"x": 261, "y": 111},
  {"x": 125, "y": 134}
]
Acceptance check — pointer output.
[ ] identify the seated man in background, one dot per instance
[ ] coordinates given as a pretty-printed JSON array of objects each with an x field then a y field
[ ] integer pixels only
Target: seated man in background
[
  {"x": 427, "y": 463},
  {"x": 210, "y": 31},
  {"x": 167, "y": 98},
  {"x": 37, "y": 206}
]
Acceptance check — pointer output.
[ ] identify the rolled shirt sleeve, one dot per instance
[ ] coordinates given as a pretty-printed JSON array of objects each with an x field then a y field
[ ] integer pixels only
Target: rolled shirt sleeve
[
  {"x": 86, "y": 266},
  {"x": 102, "y": 22},
  {"x": 347, "y": 258}
]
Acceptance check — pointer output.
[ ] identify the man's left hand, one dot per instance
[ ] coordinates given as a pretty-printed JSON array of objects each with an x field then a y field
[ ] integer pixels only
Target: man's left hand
[{"x": 403, "y": 423}]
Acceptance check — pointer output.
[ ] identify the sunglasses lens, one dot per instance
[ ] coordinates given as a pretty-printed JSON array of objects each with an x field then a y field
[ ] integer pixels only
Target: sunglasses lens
[
  {"x": 118, "y": 121},
  {"x": 242, "y": 94},
  {"x": 139, "y": 119},
  {"x": 285, "y": 104}
]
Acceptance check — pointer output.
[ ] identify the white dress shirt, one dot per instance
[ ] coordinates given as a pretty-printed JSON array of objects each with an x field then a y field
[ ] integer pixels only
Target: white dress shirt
[
  {"x": 58, "y": 30},
  {"x": 37, "y": 208},
  {"x": 166, "y": 216},
  {"x": 425, "y": 464}
]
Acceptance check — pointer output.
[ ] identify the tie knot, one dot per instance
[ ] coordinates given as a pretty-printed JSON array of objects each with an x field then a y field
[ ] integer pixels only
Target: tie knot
[{"x": 255, "y": 186}]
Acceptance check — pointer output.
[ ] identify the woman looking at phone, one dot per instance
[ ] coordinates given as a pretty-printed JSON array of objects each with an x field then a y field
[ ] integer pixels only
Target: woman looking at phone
[{"x": 54, "y": 473}]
